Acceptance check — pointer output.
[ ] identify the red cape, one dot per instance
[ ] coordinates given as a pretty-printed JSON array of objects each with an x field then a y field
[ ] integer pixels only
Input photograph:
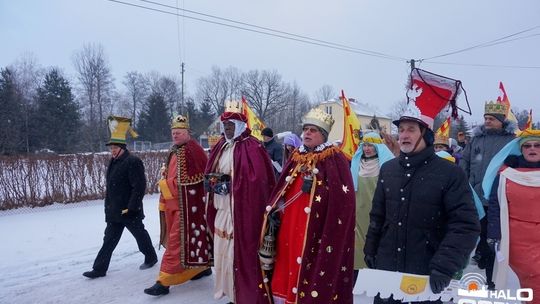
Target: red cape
[
  {"x": 251, "y": 187},
  {"x": 326, "y": 269}
]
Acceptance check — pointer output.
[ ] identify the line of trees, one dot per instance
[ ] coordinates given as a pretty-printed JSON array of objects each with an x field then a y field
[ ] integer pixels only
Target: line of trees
[{"x": 46, "y": 109}]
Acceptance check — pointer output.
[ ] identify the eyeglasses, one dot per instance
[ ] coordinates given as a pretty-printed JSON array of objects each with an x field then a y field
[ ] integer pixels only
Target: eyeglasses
[{"x": 528, "y": 146}]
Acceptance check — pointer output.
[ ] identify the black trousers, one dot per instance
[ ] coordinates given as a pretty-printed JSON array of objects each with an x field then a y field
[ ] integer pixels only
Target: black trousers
[
  {"x": 113, "y": 232},
  {"x": 487, "y": 259}
]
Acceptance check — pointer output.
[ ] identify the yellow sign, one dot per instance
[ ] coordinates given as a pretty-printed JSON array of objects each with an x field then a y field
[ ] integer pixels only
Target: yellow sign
[{"x": 412, "y": 285}]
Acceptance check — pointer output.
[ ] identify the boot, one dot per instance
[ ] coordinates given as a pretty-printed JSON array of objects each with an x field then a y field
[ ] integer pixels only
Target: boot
[
  {"x": 157, "y": 290},
  {"x": 93, "y": 274},
  {"x": 147, "y": 265},
  {"x": 202, "y": 274}
]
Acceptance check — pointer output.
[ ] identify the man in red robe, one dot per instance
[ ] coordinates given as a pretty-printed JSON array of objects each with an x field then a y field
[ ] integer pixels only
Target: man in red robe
[
  {"x": 239, "y": 180},
  {"x": 315, "y": 202},
  {"x": 184, "y": 231}
]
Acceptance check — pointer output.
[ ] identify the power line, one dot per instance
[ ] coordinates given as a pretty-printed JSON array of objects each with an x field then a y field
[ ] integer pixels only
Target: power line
[
  {"x": 487, "y": 44},
  {"x": 483, "y": 65},
  {"x": 272, "y": 30},
  {"x": 302, "y": 39}
]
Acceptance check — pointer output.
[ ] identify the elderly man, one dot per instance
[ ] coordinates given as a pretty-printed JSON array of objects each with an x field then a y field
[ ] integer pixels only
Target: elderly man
[
  {"x": 314, "y": 200},
  {"x": 126, "y": 185},
  {"x": 239, "y": 179},
  {"x": 181, "y": 206},
  {"x": 423, "y": 220},
  {"x": 487, "y": 140}
]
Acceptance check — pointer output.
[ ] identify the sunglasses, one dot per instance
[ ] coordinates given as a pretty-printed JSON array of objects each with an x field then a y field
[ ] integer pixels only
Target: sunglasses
[{"x": 528, "y": 146}]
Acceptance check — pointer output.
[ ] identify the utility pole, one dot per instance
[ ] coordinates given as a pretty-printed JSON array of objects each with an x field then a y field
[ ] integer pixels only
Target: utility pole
[
  {"x": 413, "y": 63},
  {"x": 182, "y": 96}
]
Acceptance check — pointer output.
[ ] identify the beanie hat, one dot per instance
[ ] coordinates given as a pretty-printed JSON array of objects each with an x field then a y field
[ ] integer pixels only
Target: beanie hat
[
  {"x": 500, "y": 117},
  {"x": 267, "y": 132}
]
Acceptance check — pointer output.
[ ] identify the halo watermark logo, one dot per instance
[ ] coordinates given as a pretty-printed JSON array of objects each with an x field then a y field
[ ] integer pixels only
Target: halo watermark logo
[{"x": 473, "y": 290}]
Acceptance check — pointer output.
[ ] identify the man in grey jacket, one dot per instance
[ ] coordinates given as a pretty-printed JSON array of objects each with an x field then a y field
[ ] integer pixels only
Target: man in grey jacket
[{"x": 487, "y": 140}]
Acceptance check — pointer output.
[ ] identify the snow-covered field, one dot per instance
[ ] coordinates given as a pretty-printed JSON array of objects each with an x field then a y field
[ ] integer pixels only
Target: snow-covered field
[{"x": 46, "y": 250}]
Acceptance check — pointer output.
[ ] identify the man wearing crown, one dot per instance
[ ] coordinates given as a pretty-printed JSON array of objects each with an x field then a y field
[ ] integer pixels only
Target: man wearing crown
[
  {"x": 423, "y": 220},
  {"x": 184, "y": 232},
  {"x": 487, "y": 140},
  {"x": 239, "y": 178},
  {"x": 315, "y": 202},
  {"x": 125, "y": 189}
]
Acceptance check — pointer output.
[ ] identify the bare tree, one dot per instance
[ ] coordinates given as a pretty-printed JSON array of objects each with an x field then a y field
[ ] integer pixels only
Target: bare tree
[
  {"x": 168, "y": 88},
  {"x": 324, "y": 93},
  {"x": 27, "y": 74},
  {"x": 220, "y": 86},
  {"x": 137, "y": 88},
  {"x": 265, "y": 92},
  {"x": 97, "y": 85}
]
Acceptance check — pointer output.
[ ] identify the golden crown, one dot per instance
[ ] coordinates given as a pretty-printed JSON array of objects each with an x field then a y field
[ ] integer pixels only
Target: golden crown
[
  {"x": 319, "y": 118},
  {"x": 233, "y": 106},
  {"x": 493, "y": 107},
  {"x": 441, "y": 139},
  {"x": 180, "y": 122},
  {"x": 119, "y": 127}
]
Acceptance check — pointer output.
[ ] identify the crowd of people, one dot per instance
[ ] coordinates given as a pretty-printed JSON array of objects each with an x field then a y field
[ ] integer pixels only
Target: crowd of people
[{"x": 295, "y": 222}]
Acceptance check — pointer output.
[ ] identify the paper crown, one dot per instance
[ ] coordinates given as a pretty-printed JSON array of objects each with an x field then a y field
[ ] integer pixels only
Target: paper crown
[
  {"x": 428, "y": 94},
  {"x": 372, "y": 138},
  {"x": 441, "y": 139},
  {"x": 318, "y": 118},
  {"x": 119, "y": 126},
  {"x": 493, "y": 107},
  {"x": 233, "y": 110},
  {"x": 180, "y": 122}
]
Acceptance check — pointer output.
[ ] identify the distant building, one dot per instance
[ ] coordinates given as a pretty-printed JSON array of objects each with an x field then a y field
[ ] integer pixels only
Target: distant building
[{"x": 364, "y": 112}]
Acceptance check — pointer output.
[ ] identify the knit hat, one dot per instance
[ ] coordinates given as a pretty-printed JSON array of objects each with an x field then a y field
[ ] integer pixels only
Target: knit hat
[{"x": 267, "y": 132}]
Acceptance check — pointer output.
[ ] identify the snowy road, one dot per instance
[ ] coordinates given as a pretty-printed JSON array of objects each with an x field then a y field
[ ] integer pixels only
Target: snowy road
[{"x": 46, "y": 250}]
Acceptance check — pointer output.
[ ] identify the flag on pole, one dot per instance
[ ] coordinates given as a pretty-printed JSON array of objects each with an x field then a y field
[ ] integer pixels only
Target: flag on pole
[
  {"x": 444, "y": 129},
  {"x": 351, "y": 129},
  {"x": 254, "y": 123},
  {"x": 504, "y": 100}
]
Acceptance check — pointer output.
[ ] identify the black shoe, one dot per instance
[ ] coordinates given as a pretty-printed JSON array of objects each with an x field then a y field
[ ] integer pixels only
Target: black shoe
[
  {"x": 93, "y": 274},
  {"x": 202, "y": 274},
  {"x": 491, "y": 286},
  {"x": 157, "y": 290},
  {"x": 146, "y": 265}
]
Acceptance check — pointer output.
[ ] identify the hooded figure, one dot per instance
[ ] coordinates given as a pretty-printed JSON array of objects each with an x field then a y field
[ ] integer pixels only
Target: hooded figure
[
  {"x": 365, "y": 166},
  {"x": 239, "y": 178}
]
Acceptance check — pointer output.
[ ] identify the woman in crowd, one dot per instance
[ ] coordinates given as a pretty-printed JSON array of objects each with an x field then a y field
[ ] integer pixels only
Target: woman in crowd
[{"x": 512, "y": 181}]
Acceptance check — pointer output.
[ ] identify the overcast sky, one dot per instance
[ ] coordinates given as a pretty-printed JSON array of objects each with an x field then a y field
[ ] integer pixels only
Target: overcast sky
[{"x": 143, "y": 40}]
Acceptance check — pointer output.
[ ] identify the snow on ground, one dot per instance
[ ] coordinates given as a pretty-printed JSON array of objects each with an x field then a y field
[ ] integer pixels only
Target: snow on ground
[{"x": 46, "y": 250}]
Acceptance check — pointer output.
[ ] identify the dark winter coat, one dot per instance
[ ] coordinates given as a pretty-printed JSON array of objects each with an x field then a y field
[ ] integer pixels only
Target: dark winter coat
[
  {"x": 126, "y": 185},
  {"x": 423, "y": 216},
  {"x": 275, "y": 151},
  {"x": 479, "y": 152}
]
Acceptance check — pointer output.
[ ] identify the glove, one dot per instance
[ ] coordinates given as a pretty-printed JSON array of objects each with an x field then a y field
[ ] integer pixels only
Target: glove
[
  {"x": 493, "y": 244},
  {"x": 438, "y": 281},
  {"x": 370, "y": 261}
]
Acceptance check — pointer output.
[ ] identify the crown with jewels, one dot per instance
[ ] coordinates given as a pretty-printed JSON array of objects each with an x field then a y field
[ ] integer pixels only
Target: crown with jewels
[
  {"x": 493, "y": 107},
  {"x": 233, "y": 106},
  {"x": 180, "y": 122},
  {"x": 319, "y": 118}
]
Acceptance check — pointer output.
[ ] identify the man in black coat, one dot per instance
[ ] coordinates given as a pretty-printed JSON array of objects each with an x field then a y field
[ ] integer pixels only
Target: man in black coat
[
  {"x": 423, "y": 220},
  {"x": 274, "y": 149},
  {"x": 126, "y": 185}
]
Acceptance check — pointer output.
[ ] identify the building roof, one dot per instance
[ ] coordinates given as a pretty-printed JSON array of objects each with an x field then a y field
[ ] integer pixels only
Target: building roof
[{"x": 359, "y": 108}]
